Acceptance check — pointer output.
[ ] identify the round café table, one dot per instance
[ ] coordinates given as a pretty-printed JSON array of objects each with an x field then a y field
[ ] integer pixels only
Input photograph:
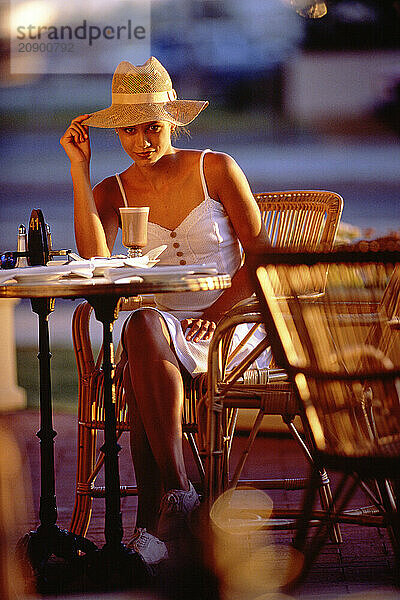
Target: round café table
[{"x": 114, "y": 564}]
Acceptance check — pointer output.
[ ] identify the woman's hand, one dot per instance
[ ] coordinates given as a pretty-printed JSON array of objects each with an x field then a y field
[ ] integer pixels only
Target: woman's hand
[
  {"x": 197, "y": 330},
  {"x": 75, "y": 141}
]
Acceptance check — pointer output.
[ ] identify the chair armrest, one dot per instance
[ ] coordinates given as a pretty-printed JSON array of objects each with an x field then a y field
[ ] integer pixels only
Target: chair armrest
[
  {"x": 248, "y": 306},
  {"x": 245, "y": 311}
]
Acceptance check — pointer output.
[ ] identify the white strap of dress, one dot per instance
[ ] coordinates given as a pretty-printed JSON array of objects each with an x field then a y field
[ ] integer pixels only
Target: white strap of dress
[
  {"x": 121, "y": 187},
  {"x": 203, "y": 179}
]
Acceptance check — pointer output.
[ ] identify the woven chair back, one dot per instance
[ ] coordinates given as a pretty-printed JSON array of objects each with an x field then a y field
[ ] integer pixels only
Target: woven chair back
[{"x": 342, "y": 350}]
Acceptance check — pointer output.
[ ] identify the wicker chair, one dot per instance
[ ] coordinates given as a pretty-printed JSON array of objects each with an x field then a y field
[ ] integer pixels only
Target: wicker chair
[
  {"x": 298, "y": 219},
  {"x": 344, "y": 362}
]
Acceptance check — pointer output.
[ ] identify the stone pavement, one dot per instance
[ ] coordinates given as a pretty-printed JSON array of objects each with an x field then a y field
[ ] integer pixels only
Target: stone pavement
[{"x": 360, "y": 568}]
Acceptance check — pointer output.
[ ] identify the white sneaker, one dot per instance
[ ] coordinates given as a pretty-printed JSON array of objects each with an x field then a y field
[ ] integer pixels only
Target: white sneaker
[
  {"x": 175, "y": 508},
  {"x": 151, "y": 549}
]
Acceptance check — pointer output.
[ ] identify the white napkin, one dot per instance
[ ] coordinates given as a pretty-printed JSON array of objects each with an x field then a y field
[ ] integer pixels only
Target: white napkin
[
  {"x": 43, "y": 273},
  {"x": 96, "y": 266},
  {"x": 161, "y": 272},
  {"x": 6, "y": 275},
  {"x": 104, "y": 265},
  {"x": 139, "y": 261},
  {"x": 155, "y": 253}
]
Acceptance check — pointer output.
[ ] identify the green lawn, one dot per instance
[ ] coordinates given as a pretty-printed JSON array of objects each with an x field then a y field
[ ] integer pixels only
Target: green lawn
[
  {"x": 220, "y": 119},
  {"x": 64, "y": 378}
]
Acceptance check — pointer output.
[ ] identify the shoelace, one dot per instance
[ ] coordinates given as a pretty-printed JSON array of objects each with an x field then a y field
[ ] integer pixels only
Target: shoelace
[
  {"x": 175, "y": 501},
  {"x": 171, "y": 502},
  {"x": 141, "y": 540}
]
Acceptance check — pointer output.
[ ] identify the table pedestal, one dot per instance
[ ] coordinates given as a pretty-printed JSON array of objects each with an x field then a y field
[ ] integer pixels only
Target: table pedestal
[
  {"x": 83, "y": 566},
  {"x": 124, "y": 565},
  {"x": 113, "y": 566}
]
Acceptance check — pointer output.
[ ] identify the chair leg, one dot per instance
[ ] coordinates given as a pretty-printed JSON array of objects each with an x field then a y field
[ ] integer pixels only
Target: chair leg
[
  {"x": 250, "y": 441},
  {"x": 196, "y": 455},
  {"x": 308, "y": 505},
  {"x": 83, "y": 500},
  {"x": 338, "y": 504},
  {"x": 81, "y": 514},
  {"x": 326, "y": 499},
  {"x": 229, "y": 426},
  {"x": 389, "y": 491},
  {"x": 312, "y": 548},
  {"x": 214, "y": 454},
  {"x": 395, "y": 529},
  {"x": 325, "y": 492}
]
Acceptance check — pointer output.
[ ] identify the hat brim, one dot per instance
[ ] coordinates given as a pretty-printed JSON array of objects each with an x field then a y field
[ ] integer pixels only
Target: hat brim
[{"x": 178, "y": 112}]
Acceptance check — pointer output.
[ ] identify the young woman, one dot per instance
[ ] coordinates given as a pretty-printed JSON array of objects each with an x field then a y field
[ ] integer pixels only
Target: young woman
[{"x": 202, "y": 207}]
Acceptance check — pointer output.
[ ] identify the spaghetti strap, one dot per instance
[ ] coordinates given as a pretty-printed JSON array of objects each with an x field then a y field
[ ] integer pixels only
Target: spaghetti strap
[
  {"x": 121, "y": 187},
  {"x": 203, "y": 179}
]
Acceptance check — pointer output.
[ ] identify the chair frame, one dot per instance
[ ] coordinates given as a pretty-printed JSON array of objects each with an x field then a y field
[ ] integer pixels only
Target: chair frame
[
  {"x": 297, "y": 219},
  {"x": 375, "y": 476},
  {"x": 91, "y": 418},
  {"x": 311, "y": 220}
]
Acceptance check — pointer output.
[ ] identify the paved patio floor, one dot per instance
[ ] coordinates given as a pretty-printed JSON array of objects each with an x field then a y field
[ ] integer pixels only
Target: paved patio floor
[{"x": 360, "y": 568}]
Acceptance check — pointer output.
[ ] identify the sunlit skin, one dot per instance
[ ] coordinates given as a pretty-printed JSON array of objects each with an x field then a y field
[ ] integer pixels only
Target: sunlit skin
[
  {"x": 167, "y": 180},
  {"x": 147, "y": 143}
]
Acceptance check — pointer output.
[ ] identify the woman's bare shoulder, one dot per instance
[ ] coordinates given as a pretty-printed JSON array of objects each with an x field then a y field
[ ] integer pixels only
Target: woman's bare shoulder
[
  {"x": 219, "y": 167},
  {"x": 216, "y": 155},
  {"x": 220, "y": 160},
  {"x": 106, "y": 185},
  {"x": 214, "y": 161},
  {"x": 107, "y": 193},
  {"x": 187, "y": 154}
]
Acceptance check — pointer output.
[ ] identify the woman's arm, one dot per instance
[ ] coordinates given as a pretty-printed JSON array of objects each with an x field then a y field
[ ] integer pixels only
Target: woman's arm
[
  {"x": 94, "y": 222},
  {"x": 228, "y": 184}
]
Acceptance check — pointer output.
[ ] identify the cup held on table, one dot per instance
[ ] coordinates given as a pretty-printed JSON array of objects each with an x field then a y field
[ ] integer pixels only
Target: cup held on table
[{"x": 134, "y": 228}]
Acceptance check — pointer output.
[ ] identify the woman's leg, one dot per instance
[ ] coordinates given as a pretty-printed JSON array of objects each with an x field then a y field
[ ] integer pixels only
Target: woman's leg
[
  {"x": 148, "y": 477},
  {"x": 158, "y": 396}
]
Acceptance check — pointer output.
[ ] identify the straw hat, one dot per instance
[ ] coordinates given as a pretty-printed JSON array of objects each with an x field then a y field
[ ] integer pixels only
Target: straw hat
[{"x": 141, "y": 94}]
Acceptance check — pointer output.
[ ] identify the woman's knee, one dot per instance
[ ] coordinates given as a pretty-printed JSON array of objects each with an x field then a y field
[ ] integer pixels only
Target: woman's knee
[{"x": 144, "y": 326}]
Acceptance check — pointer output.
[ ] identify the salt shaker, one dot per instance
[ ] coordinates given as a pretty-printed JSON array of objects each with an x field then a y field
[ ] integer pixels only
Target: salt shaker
[{"x": 22, "y": 247}]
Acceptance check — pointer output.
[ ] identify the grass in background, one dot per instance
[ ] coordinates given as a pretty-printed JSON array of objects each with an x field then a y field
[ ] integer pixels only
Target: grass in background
[
  {"x": 64, "y": 377},
  {"x": 218, "y": 120}
]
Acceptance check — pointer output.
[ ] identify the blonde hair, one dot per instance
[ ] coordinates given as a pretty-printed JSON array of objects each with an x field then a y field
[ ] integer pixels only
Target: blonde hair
[{"x": 178, "y": 131}]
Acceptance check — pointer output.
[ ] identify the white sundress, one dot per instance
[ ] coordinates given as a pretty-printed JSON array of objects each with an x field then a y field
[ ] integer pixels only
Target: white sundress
[{"x": 205, "y": 236}]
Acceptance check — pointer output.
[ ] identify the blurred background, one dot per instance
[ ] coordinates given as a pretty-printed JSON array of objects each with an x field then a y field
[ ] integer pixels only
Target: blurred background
[
  {"x": 304, "y": 95},
  {"x": 300, "y": 102}
]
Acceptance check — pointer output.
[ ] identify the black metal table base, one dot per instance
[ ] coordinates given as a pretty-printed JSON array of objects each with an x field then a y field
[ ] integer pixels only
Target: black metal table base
[{"x": 56, "y": 560}]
